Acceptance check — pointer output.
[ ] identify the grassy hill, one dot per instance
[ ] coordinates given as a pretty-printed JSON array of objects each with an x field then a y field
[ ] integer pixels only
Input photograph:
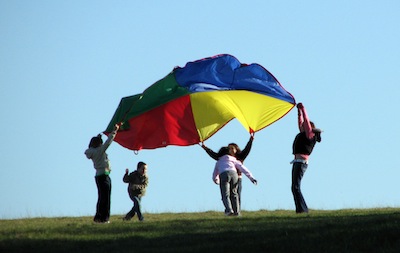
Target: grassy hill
[{"x": 360, "y": 230}]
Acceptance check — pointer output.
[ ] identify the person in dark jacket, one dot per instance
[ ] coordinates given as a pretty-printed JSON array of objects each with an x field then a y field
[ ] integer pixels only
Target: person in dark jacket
[
  {"x": 303, "y": 145},
  {"x": 137, "y": 183}
]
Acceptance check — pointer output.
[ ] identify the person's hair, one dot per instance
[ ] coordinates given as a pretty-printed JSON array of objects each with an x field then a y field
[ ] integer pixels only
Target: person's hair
[
  {"x": 96, "y": 141},
  {"x": 316, "y": 131},
  {"x": 238, "y": 150},
  {"x": 223, "y": 151},
  {"x": 140, "y": 164}
]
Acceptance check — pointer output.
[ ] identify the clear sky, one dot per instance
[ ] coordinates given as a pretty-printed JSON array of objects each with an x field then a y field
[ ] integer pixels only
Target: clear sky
[{"x": 65, "y": 65}]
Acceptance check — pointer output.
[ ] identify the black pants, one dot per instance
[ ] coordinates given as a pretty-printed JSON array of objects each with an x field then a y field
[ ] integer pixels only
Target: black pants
[
  {"x": 103, "y": 183},
  {"x": 297, "y": 174}
]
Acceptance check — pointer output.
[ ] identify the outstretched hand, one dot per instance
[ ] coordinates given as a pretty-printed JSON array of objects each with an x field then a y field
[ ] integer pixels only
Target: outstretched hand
[
  {"x": 126, "y": 171},
  {"x": 254, "y": 181}
]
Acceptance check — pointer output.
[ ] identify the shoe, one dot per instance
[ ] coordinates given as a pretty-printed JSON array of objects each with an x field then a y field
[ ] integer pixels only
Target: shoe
[
  {"x": 228, "y": 213},
  {"x": 126, "y": 218}
]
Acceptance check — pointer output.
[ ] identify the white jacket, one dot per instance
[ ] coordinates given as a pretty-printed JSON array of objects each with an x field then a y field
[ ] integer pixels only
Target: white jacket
[
  {"x": 230, "y": 163},
  {"x": 99, "y": 156}
]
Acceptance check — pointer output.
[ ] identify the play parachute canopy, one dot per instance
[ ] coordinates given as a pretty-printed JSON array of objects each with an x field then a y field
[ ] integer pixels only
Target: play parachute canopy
[{"x": 192, "y": 103}]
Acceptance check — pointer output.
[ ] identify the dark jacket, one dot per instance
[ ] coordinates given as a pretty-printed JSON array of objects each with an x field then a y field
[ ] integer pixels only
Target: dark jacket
[
  {"x": 240, "y": 156},
  {"x": 137, "y": 183}
]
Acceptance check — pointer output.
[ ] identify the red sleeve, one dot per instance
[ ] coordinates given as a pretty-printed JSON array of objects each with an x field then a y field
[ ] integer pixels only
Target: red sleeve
[
  {"x": 300, "y": 119},
  {"x": 306, "y": 123}
]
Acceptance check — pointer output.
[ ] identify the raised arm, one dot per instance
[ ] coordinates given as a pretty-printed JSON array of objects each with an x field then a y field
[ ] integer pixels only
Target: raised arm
[
  {"x": 211, "y": 153},
  {"x": 110, "y": 138},
  {"x": 245, "y": 152},
  {"x": 125, "y": 179},
  {"x": 305, "y": 121},
  {"x": 300, "y": 119}
]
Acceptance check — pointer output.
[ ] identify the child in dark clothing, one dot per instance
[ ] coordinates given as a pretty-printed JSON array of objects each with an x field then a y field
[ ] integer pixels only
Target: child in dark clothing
[{"x": 138, "y": 182}]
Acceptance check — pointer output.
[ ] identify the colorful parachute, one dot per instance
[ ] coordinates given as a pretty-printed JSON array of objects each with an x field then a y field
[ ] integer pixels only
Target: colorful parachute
[{"x": 192, "y": 103}]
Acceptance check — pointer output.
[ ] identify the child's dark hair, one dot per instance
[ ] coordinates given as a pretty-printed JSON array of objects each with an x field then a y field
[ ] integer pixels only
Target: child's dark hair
[
  {"x": 140, "y": 164},
  {"x": 223, "y": 151},
  {"x": 96, "y": 142}
]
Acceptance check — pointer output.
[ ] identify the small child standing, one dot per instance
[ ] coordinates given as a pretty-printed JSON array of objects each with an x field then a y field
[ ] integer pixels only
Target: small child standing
[{"x": 138, "y": 182}]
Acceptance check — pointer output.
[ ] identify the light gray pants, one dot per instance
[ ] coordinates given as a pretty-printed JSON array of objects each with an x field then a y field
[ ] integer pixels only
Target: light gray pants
[{"x": 228, "y": 185}]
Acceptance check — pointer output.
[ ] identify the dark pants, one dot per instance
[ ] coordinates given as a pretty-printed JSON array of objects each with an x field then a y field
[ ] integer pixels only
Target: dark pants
[
  {"x": 103, "y": 183},
  {"x": 297, "y": 174},
  {"x": 136, "y": 209}
]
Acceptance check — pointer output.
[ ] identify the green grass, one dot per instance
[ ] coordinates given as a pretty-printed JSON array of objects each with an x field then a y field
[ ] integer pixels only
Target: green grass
[{"x": 360, "y": 230}]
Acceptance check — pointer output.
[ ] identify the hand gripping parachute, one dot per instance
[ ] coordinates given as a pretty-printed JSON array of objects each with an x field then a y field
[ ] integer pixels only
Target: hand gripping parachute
[{"x": 192, "y": 103}]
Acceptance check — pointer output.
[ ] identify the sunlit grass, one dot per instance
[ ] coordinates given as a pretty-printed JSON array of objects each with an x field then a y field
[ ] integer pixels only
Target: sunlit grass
[{"x": 358, "y": 230}]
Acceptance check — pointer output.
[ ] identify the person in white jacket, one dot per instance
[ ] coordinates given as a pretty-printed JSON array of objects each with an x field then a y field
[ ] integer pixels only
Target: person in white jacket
[
  {"x": 225, "y": 174},
  {"x": 97, "y": 153}
]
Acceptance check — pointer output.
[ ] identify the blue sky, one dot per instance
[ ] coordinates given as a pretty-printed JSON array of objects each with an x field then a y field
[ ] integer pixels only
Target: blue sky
[{"x": 65, "y": 65}]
